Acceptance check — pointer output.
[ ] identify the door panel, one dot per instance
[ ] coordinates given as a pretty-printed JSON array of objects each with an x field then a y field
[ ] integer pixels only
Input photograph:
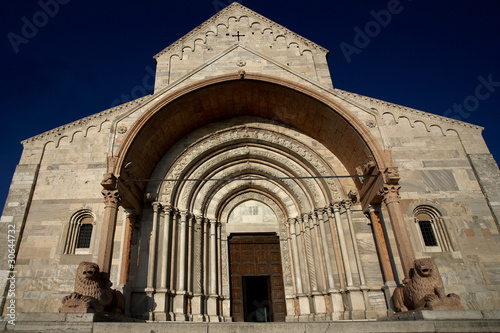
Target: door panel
[{"x": 256, "y": 255}]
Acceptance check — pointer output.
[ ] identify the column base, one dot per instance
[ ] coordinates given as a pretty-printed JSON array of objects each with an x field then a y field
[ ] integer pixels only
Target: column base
[
  {"x": 180, "y": 307},
  {"x": 197, "y": 308},
  {"x": 213, "y": 309},
  {"x": 319, "y": 304},
  {"x": 357, "y": 302},
  {"x": 337, "y": 305},
  {"x": 388, "y": 290}
]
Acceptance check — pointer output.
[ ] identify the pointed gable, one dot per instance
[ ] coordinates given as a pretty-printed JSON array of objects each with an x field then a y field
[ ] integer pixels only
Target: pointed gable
[{"x": 238, "y": 25}]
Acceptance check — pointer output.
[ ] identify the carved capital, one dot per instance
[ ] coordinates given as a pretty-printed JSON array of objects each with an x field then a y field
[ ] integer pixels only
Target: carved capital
[
  {"x": 336, "y": 207},
  {"x": 167, "y": 208},
  {"x": 390, "y": 193},
  {"x": 111, "y": 198},
  {"x": 325, "y": 212},
  {"x": 347, "y": 204},
  {"x": 156, "y": 207}
]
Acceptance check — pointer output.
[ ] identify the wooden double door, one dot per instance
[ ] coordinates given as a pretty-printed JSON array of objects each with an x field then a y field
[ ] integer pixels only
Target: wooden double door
[{"x": 257, "y": 292}]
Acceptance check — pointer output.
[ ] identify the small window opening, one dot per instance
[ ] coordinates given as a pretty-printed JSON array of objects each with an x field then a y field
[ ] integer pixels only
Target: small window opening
[
  {"x": 84, "y": 236},
  {"x": 427, "y": 233}
]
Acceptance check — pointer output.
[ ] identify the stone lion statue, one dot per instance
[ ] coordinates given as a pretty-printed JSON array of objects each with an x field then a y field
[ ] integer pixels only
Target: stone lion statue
[
  {"x": 92, "y": 293},
  {"x": 425, "y": 290}
]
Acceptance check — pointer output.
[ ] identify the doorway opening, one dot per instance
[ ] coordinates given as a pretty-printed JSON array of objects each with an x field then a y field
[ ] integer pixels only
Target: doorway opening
[
  {"x": 257, "y": 298},
  {"x": 257, "y": 291}
]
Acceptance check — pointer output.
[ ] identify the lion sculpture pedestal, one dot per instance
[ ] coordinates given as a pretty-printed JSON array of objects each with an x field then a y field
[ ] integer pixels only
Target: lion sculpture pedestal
[
  {"x": 425, "y": 290},
  {"x": 93, "y": 293}
]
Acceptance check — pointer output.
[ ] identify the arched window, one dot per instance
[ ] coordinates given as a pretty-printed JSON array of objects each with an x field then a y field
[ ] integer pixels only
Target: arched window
[
  {"x": 433, "y": 233},
  {"x": 79, "y": 237}
]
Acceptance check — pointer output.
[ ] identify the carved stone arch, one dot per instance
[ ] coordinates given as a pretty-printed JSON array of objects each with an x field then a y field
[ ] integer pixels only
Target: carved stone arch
[
  {"x": 257, "y": 154},
  {"x": 281, "y": 149},
  {"x": 252, "y": 169},
  {"x": 288, "y": 199},
  {"x": 225, "y": 207},
  {"x": 155, "y": 131}
]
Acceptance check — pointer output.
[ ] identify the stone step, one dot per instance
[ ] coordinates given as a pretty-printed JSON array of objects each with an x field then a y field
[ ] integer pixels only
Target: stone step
[
  {"x": 44, "y": 326},
  {"x": 327, "y": 327},
  {"x": 418, "y": 321}
]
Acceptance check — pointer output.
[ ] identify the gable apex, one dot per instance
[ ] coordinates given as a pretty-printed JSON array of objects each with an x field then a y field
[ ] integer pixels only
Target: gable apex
[
  {"x": 237, "y": 11},
  {"x": 238, "y": 25}
]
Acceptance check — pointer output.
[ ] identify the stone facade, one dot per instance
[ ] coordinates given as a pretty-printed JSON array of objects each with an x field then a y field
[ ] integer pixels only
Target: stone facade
[{"x": 245, "y": 134}]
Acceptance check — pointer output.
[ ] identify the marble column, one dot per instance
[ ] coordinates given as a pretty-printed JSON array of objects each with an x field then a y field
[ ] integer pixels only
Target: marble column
[
  {"x": 336, "y": 297},
  {"x": 390, "y": 195},
  {"x": 295, "y": 257},
  {"x": 112, "y": 201},
  {"x": 381, "y": 244},
  {"x": 125, "y": 266},
  {"x": 152, "y": 248},
  {"x": 163, "y": 296},
  {"x": 181, "y": 283},
  {"x": 383, "y": 255},
  {"x": 326, "y": 253},
  {"x": 347, "y": 206},
  {"x": 127, "y": 246},
  {"x": 360, "y": 303},
  {"x": 343, "y": 245},
  {"x": 300, "y": 268},
  {"x": 180, "y": 307},
  {"x": 213, "y": 258},
  {"x": 318, "y": 296},
  {"x": 213, "y": 299},
  {"x": 174, "y": 250},
  {"x": 306, "y": 240},
  {"x": 165, "y": 253},
  {"x": 189, "y": 265},
  {"x": 197, "y": 301}
]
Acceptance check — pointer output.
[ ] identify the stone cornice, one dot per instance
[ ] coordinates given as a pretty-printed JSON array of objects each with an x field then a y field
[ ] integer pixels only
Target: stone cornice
[
  {"x": 420, "y": 115},
  {"x": 96, "y": 119},
  {"x": 223, "y": 17}
]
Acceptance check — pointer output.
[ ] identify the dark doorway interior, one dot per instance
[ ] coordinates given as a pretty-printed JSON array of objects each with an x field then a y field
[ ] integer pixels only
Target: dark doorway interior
[{"x": 256, "y": 293}]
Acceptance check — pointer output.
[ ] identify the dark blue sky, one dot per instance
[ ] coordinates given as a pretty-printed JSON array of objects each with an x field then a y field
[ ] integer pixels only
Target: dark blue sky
[{"x": 84, "y": 56}]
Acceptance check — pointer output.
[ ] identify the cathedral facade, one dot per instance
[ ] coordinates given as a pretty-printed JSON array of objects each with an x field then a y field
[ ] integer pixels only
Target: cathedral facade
[{"x": 248, "y": 188}]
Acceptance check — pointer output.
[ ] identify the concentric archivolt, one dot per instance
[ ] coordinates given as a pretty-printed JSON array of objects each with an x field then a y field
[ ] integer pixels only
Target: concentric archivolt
[
  {"x": 242, "y": 158},
  {"x": 225, "y": 209}
]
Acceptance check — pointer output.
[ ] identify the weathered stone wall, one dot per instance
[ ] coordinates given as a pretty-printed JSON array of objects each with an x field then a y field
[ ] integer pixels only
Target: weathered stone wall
[
  {"x": 67, "y": 179},
  {"x": 436, "y": 170}
]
